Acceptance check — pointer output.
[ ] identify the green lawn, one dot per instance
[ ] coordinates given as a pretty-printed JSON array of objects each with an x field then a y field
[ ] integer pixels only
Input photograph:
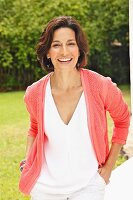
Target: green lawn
[{"x": 13, "y": 130}]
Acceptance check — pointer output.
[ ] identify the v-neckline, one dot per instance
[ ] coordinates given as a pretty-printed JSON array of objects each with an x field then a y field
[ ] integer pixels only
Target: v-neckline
[{"x": 56, "y": 109}]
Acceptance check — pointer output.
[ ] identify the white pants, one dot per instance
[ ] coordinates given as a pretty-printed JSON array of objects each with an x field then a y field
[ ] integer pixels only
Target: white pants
[{"x": 93, "y": 191}]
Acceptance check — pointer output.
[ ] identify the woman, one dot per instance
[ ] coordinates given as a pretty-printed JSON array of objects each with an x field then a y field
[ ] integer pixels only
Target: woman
[{"x": 68, "y": 155}]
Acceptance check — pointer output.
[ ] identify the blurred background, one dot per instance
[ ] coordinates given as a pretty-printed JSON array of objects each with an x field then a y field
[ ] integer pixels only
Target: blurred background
[
  {"x": 106, "y": 25},
  {"x": 22, "y": 21}
]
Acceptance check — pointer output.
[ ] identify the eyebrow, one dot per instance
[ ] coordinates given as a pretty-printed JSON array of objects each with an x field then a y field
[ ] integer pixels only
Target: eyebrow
[{"x": 67, "y": 40}]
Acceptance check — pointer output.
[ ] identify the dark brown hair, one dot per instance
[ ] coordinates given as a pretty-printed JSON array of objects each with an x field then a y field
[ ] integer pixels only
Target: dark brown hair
[{"x": 47, "y": 37}]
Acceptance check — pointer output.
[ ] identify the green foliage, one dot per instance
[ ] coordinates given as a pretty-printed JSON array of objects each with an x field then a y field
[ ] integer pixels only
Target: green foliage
[
  {"x": 109, "y": 22},
  {"x": 22, "y": 21},
  {"x": 121, "y": 159}
]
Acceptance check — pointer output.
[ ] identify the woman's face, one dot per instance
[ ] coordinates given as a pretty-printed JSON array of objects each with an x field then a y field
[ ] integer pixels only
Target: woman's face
[{"x": 64, "y": 51}]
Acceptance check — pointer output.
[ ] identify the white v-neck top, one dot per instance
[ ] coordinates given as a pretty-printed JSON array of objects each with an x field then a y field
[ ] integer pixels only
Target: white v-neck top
[{"x": 69, "y": 158}]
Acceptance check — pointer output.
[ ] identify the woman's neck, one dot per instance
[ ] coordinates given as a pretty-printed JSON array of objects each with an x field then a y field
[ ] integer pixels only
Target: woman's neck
[{"x": 65, "y": 80}]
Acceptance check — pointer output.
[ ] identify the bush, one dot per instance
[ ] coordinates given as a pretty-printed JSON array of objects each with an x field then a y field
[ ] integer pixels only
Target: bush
[{"x": 22, "y": 23}]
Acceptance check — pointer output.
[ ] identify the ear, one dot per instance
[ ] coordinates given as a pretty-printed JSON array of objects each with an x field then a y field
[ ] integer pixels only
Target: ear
[{"x": 48, "y": 56}]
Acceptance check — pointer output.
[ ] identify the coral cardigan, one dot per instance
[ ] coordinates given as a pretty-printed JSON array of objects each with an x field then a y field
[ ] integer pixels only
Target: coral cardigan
[{"x": 101, "y": 95}]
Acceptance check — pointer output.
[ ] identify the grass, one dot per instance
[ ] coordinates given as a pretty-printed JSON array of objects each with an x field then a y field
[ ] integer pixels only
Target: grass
[{"x": 13, "y": 130}]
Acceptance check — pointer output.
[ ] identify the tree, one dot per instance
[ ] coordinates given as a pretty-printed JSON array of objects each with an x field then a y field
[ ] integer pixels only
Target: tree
[{"x": 22, "y": 22}]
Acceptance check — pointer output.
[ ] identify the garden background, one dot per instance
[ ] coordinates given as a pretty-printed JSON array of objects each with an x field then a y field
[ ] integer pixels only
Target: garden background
[{"x": 21, "y": 23}]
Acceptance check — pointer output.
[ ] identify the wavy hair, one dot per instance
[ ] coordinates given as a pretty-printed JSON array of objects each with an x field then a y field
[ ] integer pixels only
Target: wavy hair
[{"x": 46, "y": 39}]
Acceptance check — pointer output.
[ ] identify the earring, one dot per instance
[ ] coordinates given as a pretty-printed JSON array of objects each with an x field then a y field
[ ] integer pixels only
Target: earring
[
  {"x": 78, "y": 64},
  {"x": 48, "y": 62}
]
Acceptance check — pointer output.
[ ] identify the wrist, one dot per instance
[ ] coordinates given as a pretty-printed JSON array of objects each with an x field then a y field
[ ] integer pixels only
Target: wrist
[{"x": 109, "y": 166}]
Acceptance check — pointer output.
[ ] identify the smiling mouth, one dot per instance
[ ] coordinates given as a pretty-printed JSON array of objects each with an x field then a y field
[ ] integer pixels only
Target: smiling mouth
[{"x": 64, "y": 60}]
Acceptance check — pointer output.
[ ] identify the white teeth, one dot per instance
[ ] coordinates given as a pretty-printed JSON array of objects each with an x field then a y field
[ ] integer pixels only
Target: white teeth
[{"x": 64, "y": 59}]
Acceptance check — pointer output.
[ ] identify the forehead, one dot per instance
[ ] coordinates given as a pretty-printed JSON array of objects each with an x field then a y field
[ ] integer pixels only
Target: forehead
[{"x": 64, "y": 34}]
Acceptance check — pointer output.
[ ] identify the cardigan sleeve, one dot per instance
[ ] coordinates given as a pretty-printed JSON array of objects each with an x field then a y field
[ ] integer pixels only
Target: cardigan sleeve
[
  {"x": 30, "y": 105},
  {"x": 118, "y": 110}
]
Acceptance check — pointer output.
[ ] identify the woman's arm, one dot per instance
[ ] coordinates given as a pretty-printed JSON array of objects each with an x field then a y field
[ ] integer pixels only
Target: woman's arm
[
  {"x": 33, "y": 128},
  {"x": 30, "y": 141},
  {"x": 118, "y": 109}
]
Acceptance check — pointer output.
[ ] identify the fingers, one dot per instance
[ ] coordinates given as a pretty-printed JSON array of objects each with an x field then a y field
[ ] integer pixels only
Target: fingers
[
  {"x": 22, "y": 164},
  {"x": 105, "y": 174},
  {"x": 100, "y": 170}
]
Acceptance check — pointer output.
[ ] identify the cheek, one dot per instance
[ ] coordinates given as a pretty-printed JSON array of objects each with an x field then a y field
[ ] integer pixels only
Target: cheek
[
  {"x": 76, "y": 53},
  {"x": 52, "y": 55}
]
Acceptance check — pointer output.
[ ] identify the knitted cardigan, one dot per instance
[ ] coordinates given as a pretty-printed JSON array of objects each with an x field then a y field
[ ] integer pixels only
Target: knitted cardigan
[{"x": 101, "y": 95}]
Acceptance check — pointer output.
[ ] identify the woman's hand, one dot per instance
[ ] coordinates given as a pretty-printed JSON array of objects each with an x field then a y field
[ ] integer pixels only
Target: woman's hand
[
  {"x": 105, "y": 173},
  {"x": 106, "y": 169},
  {"x": 22, "y": 164}
]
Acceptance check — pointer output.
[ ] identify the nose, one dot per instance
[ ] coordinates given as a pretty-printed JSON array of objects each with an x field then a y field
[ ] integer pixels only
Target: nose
[{"x": 64, "y": 50}]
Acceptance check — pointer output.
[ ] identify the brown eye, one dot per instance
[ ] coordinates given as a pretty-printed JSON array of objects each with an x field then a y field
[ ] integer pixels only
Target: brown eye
[
  {"x": 71, "y": 44},
  {"x": 55, "y": 45}
]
